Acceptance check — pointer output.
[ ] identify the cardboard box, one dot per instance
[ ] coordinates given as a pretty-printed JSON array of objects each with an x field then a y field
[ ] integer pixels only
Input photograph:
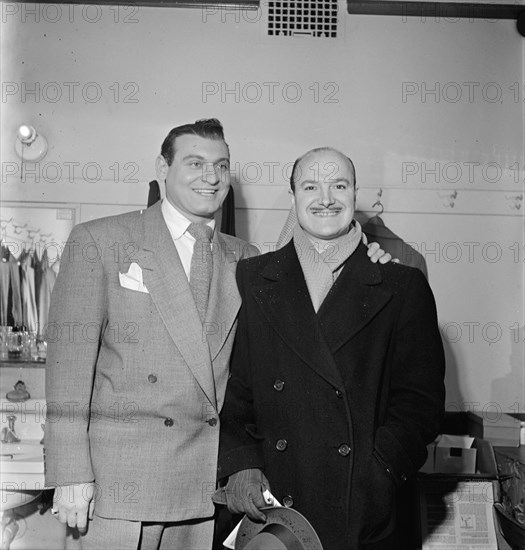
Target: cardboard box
[
  {"x": 502, "y": 430},
  {"x": 455, "y": 459},
  {"x": 460, "y": 456},
  {"x": 520, "y": 417}
]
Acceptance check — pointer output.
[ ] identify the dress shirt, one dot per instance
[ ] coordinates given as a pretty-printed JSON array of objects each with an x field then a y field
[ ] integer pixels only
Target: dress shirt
[{"x": 178, "y": 224}]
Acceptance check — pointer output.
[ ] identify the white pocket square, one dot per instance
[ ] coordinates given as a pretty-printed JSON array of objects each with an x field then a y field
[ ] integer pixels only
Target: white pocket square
[{"x": 133, "y": 279}]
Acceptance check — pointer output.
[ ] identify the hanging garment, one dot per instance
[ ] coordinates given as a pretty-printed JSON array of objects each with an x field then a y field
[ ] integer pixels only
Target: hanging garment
[
  {"x": 154, "y": 193},
  {"x": 55, "y": 266},
  {"x": 288, "y": 228},
  {"x": 16, "y": 297},
  {"x": 47, "y": 282},
  {"x": 228, "y": 214},
  {"x": 37, "y": 269},
  {"x": 4, "y": 284},
  {"x": 377, "y": 231},
  {"x": 29, "y": 311}
]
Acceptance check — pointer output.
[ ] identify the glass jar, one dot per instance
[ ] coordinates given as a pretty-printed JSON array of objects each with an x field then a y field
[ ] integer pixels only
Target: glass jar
[
  {"x": 4, "y": 336},
  {"x": 41, "y": 348},
  {"x": 28, "y": 342},
  {"x": 15, "y": 344}
]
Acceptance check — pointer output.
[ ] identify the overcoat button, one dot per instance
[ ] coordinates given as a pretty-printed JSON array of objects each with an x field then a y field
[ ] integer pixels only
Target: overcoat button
[
  {"x": 212, "y": 422},
  {"x": 278, "y": 385},
  {"x": 344, "y": 450},
  {"x": 288, "y": 501},
  {"x": 168, "y": 422},
  {"x": 281, "y": 445},
  {"x": 339, "y": 394},
  {"x": 403, "y": 477},
  {"x": 152, "y": 378}
]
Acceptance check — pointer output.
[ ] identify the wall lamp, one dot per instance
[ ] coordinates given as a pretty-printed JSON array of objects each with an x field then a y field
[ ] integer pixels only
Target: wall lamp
[{"x": 30, "y": 145}]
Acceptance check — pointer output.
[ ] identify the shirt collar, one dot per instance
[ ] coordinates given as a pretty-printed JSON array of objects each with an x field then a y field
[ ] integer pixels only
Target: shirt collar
[{"x": 177, "y": 222}]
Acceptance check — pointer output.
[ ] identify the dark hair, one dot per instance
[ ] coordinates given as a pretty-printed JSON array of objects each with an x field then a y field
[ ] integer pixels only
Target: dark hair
[
  {"x": 209, "y": 128},
  {"x": 293, "y": 175}
]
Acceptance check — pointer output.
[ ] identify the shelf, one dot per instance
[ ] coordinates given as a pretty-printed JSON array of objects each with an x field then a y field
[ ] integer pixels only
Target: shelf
[{"x": 22, "y": 363}]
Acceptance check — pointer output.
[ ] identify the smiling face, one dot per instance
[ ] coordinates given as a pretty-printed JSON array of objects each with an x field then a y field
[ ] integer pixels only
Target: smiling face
[
  {"x": 198, "y": 179},
  {"x": 324, "y": 195}
]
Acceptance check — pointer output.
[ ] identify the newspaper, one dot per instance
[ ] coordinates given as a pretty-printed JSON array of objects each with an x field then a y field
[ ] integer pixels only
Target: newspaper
[{"x": 458, "y": 517}]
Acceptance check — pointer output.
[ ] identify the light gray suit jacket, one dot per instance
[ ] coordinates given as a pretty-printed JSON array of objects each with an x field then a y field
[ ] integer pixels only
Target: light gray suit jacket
[{"x": 134, "y": 380}]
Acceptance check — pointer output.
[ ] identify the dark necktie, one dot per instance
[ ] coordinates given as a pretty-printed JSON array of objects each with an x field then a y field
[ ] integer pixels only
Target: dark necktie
[{"x": 201, "y": 266}]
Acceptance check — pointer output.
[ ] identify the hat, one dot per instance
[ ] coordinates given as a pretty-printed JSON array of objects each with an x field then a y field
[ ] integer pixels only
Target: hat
[{"x": 284, "y": 529}]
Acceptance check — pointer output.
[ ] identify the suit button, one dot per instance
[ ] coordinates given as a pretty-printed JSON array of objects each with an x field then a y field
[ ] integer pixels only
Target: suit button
[
  {"x": 212, "y": 422},
  {"x": 281, "y": 445},
  {"x": 403, "y": 477},
  {"x": 168, "y": 422},
  {"x": 288, "y": 501},
  {"x": 152, "y": 378},
  {"x": 339, "y": 394},
  {"x": 278, "y": 385},
  {"x": 344, "y": 450}
]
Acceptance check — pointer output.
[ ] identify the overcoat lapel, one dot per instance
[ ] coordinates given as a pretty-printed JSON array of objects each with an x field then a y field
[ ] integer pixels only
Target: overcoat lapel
[
  {"x": 284, "y": 299},
  {"x": 225, "y": 301},
  {"x": 353, "y": 301},
  {"x": 166, "y": 281},
  {"x": 350, "y": 305}
]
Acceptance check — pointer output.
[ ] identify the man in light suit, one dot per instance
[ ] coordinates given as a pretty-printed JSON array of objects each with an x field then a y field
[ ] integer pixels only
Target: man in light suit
[
  {"x": 135, "y": 378},
  {"x": 136, "y": 375},
  {"x": 337, "y": 372}
]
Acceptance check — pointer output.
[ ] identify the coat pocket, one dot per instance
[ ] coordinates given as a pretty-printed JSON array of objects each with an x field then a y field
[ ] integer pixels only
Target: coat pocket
[
  {"x": 251, "y": 429},
  {"x": 380, "y": 513}
]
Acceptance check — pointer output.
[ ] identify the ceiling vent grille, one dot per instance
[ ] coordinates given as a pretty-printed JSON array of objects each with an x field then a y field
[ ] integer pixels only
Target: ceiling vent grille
[{"x": 303, "y": 18}]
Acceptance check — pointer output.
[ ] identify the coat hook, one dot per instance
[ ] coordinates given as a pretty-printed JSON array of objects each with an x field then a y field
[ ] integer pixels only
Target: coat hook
[
  {"x": 17, "y": 229},
  {"x": 379, "y": 203},
  {"x": 518, "y": 199},
  {"x": 31, "y": 233},
  {"x": 450, "y": 198}
]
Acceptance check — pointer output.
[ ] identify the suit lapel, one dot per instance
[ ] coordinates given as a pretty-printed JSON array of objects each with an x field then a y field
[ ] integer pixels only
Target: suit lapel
[
  {"x": 168, "y": 286},
  {"x": 224, "y": 301},
  {"x": 284, "y": 299},
  {"x": 353, "y": 301}
]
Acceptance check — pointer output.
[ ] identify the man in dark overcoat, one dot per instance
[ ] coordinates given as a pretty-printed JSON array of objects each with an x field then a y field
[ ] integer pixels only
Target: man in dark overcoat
[{"x": 337, "y": 371}]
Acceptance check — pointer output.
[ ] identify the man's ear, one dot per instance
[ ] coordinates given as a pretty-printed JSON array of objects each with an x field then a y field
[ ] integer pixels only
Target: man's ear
[
  {"x": 292, "y": 197},
  {"x": 161, "y": 167}
]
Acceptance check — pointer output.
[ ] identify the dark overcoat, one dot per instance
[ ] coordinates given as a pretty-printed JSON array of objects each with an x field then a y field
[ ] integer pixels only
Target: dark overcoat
[{"x": 336, "y": 407}]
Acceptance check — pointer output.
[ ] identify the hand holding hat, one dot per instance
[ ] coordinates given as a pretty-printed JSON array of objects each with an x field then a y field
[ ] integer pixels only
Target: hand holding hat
[
  {"x": 285, "y": 529},
  {"x": 243, "y": 494}
]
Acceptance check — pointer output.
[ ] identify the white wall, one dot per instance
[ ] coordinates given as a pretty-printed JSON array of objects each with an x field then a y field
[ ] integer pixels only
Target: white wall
[{"x": 363, "y": 92}]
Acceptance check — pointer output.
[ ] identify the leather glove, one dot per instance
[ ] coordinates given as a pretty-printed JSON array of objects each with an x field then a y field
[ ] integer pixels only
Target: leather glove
[{"x": 243, "y": 494}]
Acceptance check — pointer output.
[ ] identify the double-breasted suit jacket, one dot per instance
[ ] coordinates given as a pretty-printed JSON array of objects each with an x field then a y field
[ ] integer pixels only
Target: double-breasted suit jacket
[
  {"x": 134, "y": 380},
  {"x": 336, "y": 407}
]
